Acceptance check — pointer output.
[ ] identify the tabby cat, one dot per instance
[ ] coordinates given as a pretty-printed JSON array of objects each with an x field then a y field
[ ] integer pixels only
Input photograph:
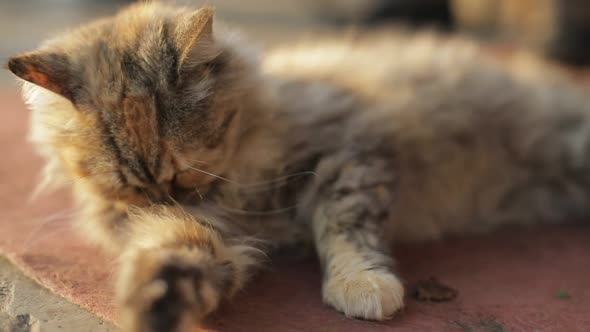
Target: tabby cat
[{"x": 192, "y": 157}]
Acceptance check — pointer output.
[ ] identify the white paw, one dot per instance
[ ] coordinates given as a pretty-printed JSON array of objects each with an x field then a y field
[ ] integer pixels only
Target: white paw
[{"x": 373, "y": 294}]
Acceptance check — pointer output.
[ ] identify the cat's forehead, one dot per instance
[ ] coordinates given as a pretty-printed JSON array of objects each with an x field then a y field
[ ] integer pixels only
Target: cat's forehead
[
  {"x": 111, "y": 58},
  {"x": 150, "y": 59},
  {"x": 145, "y": 48},
  {"x": 138, "y": 28}
]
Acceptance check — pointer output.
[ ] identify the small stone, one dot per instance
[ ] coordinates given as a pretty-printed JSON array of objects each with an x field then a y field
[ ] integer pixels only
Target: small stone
[
  {"x": 432, "y": 290},
  {"x": 560, "y": 294}
]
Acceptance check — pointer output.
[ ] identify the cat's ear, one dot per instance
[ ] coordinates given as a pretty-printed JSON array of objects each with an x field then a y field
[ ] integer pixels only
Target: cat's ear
[
  {"x": 45, "y": 69},
  {"x": 194, "y": 38}
]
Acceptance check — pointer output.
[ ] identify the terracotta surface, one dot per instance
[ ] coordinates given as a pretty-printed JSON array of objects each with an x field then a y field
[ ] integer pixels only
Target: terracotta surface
[{"x": 513, "y": 280}]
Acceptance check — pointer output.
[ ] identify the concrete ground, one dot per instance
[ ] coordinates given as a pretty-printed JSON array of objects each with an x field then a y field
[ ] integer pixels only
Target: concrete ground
[{"x": 25, "y": 306}]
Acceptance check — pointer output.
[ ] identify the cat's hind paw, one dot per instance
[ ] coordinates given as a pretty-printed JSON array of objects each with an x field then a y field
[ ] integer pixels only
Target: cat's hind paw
[{"x": 370, "y": 294}]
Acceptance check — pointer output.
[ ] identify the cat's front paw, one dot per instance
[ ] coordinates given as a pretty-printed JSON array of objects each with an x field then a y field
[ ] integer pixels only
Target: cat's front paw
[
  {"x": 371, "y": 294},
  {"x": 170, "y": 289}
]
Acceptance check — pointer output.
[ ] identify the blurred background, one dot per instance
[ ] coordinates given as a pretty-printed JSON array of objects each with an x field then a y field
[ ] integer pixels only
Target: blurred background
[
  {"x": 25, "y": 23},
  {"x": 559, "y": 29}
]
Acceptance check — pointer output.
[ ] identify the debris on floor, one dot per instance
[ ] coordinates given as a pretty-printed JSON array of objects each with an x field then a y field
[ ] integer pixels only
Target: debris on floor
[
  {"x": 560, "y": 294},
  {"x": 486, "y": 324},
  {"x": 432, "y": 290}
]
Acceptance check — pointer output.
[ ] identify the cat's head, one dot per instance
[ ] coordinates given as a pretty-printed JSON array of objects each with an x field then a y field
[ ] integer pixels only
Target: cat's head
[{"x": 129, "y": 107}]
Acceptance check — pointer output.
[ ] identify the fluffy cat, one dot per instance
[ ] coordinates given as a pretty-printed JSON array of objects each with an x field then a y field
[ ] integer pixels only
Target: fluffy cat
[{"x": 192, "y": 157}]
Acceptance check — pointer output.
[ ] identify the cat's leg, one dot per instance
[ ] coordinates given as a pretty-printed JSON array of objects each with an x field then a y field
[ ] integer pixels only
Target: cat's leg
[
  {"x": 104, "y": 224},
  {"x": 176, "y": 270},
  {"x": 352, "y": 202}
]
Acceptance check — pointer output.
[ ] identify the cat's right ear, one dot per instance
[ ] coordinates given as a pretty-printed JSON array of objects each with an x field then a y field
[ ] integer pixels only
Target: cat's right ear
[
  {"x": 194, "y": 38},
  {"x": 46, "y": 69}
]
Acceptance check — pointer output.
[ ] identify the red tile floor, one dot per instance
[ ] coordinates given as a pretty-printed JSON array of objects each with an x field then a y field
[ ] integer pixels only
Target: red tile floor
[{"x": 514, "y": 280}]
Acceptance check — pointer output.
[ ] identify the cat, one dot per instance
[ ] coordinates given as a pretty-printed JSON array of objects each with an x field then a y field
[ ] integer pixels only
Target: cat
[{"x": 192, "y": 157}]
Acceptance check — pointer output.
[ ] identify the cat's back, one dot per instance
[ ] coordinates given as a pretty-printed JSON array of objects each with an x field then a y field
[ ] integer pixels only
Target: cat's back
[
  {"x": 457, "y": 120},
  {"x": 406, "y": 77},
  {"x": 371, "y": 62},
  {"x": 410, "y": 86}
]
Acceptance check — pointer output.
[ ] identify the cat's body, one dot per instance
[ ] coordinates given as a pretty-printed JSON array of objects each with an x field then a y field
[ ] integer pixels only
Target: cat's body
[
  {"x": 185, "y": 152},
  {"x": 466, "y": 138}
]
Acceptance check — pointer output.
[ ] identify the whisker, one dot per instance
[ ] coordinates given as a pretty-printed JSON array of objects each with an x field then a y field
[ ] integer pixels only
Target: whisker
[
  {"x": 46, "y": 184},
  {"x": 146, "y": 195},
  {"x": 94, "y": 174},
  {"x": 208, "y": 223},
  {"x": 255, "y": 185},
  {"x": 263, "y": 184},
  {"x": 199, "y": 161},
  {"x": 198, "y": 193},
  {"x": 79, "y": 135},
  {"x": 178, "y": 205},
  {"x": 60, "y": 216},
  {"x": 88, "y": 176},
  {"x": 257, "y": 213},
  {"x": 214, "y": 175}
]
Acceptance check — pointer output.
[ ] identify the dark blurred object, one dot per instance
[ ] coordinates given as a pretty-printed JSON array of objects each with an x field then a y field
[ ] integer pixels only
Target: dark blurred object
[
  {"x": 417, "y": 12},
  {"x": 557, "y": 28},
  {"x": 375, "y": 12},
  {"x": 108, "y": 1},
  {"x": 572, "y": 43}
]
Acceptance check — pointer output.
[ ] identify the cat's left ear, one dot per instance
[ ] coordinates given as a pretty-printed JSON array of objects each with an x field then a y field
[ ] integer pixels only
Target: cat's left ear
[
  {"x": 194, "y": 38},
  {"x": 45, "y": 69}
]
